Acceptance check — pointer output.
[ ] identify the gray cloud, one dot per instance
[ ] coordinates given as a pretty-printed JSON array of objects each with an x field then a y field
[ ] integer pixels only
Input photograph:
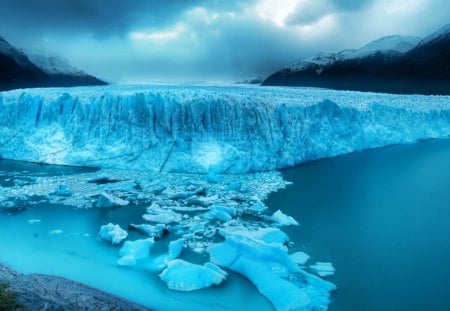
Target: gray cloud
[
  {"x": 214, "y": 40},
  {"x": 310, "y": 11},
  {"x": 98, "y": 17}
]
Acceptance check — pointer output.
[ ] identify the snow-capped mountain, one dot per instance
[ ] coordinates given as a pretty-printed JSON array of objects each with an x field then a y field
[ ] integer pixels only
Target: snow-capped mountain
[
  {"x": 387, "y": 44},
  {"x": 393, "y": 64},
  {"x": 17, "y": 70},
  {"x": 53, "y": 65}
]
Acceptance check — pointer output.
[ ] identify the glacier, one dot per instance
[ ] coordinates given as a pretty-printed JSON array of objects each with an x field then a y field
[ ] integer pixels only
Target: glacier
[{"x": 201, "y": 129}]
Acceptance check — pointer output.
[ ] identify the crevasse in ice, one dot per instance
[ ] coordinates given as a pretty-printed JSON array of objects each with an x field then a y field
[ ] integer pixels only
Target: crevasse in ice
[{"x": 208, "y": 129}]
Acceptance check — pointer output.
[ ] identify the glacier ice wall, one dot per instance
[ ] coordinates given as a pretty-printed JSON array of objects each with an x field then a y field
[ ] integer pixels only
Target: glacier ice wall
[{"x": 199, "y": 129}]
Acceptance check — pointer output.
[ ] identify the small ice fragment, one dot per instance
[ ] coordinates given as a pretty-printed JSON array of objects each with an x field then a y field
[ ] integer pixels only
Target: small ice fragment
[
  {"x": 33, "y": 221},
  {"x": 323, "y": 269},
  {"x": 283, "y": 220},
  {"x": 258, "y": 206},
  {"x": 157, "y": 214},
  {"x": 184, "y": 276},
  {"x": 112, "y": 233},
  {"x": 233, "y": 186},
  {"x": 55, "y": 231},
  {"x": 156, "y": 231},
  {"x": 132, "y": 251},
  {"x": 299, "y": 258},
  {"x": 62, "y": 190},
  {"x": 108, "y": 200},
  {"x": 213, "y": 178}
]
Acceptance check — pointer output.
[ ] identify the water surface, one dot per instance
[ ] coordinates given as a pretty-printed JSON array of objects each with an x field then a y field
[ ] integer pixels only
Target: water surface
[{"x": 382, "y": 217}]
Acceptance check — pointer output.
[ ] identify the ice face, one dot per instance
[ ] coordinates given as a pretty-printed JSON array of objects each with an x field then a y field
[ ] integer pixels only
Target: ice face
[{"x": 208, "y": 129}]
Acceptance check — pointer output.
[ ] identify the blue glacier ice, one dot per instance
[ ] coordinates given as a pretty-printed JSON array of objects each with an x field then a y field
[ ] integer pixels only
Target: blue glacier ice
[
  {"x": 208, "y": 129},
  {"x": 112, "y": 233},
  {"x": 266, "y": 263},
  {"x": 184, "y": 276}
]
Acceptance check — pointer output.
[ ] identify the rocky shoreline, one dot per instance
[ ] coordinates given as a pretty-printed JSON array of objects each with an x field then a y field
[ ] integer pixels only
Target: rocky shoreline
[{"x": 46, "y": 292}]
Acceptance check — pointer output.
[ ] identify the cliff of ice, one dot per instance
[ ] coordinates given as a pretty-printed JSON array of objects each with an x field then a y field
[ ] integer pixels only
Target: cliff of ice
[{"x": 216, "y": 129}]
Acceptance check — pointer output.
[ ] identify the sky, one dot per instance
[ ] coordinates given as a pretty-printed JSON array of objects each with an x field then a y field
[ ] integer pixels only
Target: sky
[{"x": 144, "y": 41}]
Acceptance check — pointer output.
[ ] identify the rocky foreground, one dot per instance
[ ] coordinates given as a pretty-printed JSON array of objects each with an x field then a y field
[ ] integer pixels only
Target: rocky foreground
[{"x": 46, "y": 292}]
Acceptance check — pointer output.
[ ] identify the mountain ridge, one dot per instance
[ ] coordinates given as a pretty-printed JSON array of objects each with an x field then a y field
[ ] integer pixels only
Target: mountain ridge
[
  {"x": 422, "y": 69},
  {"x": 18, "y": 70}
]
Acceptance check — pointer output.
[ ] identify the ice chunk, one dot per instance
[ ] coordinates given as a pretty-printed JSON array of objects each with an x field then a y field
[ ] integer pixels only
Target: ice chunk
[
  {"x": 202, "y": 201},
  {"x": 156, "y": 231},
  {"x": 267, "y": 235},
  {"x": 62, "y": 190},
  {"x": 269, "y": 267},
  {"x": 258, "y": 206},
  {"x": 132, "y": 251},
  {"x": 108, "y": 200},
  {"x": 175, "y": 248},
  {"x": 323, "y": 269},
  {"x": 112, "y": 233},
  {"x": 283, "y": 220},
  {"x": 220, "y": 212},
  {"x": 157, "y": 214},
  {"x": 184, "y": 276},
  {"x": 299, "y": 258},
  {"x": 33, "y": 221}
]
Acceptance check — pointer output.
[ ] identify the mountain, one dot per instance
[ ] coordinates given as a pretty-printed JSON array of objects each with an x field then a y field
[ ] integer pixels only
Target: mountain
[
  {"x": 394, "y": 64},
  {"x": 17, "y": 70}
]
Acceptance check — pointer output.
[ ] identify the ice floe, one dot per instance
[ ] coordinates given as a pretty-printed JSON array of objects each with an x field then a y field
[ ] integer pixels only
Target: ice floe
[
  {"x": 283, "y": 220},
  {"x": 132, "y": 251},
  {"x": 265, "y": 262},
  {"x": 108, "y": 200},
  {"x": 184, "y": 276},
  {"x": 112, "y": 233},
  {"x": 323, "y": 269}
]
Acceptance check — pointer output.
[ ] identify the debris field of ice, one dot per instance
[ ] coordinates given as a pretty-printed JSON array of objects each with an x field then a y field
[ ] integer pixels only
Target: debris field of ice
[
  {"x": 208, "y": 129},
  {"x": 201, "y": 213}
]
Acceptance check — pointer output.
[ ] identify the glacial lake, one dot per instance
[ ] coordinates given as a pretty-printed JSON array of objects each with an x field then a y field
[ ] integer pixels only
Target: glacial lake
[{"x": 381, "y": 216}]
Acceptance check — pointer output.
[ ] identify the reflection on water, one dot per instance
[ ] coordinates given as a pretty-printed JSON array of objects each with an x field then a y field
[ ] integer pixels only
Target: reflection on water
[{"x": 382, "y": 218}]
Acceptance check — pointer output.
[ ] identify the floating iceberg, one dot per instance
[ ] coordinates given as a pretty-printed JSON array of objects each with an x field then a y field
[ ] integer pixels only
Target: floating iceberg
[
  {"x": 160, "y": 215},
  {"x": 112, "y": 233},
  {"x": 184, "y": 276},
  {"x": 152, "y": 231},
  {"x": 107, "y": 200},
  {"x": 132, "y": 251},
  {"x": 323, "y": 269},
  {"x": 175, "y": 248},
  {"x": 283, "y": 220},
  {"x": 266, "y": 264},
  {"x": 62, "y": 191},
  {"x": 208, "y": 129},
  {"x": 299, "y": 258}
]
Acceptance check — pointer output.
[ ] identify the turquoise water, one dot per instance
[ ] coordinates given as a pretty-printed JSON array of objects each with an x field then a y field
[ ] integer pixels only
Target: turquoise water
[
  {"x": 62, "y": 240},
  {"x": 382, "y": 217}
]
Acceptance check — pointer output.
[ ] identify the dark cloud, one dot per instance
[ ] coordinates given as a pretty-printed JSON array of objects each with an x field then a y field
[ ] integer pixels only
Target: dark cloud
[
  {"x": 124, "y": 40},
  {"x": 97, "y": 17}
]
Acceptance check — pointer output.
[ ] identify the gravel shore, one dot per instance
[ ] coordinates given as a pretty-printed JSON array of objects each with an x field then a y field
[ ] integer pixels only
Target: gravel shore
[{"x": 46, "y": 292}]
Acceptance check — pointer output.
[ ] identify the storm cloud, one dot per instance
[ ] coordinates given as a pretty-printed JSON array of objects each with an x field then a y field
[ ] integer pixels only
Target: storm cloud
[{"x": 208, "y": 40}]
